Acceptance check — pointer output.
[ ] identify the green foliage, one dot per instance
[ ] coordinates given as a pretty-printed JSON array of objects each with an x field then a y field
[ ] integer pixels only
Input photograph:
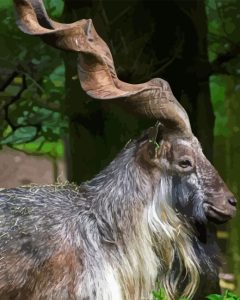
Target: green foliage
[
  {"x": 224, "y": 38},
  {"x": 31, "y": 103},
  {"x": 223, "y": 26},
  {"x": 161, "y": 295},
  {"x": 40, "y": 146},
  {"x": 20, "y": 135},
  {"x": 55, "y": 7},
  {"x": 218, "y": 96},
  {"x": 5, "y": 4},
  {"x": 226, "y": 296}
]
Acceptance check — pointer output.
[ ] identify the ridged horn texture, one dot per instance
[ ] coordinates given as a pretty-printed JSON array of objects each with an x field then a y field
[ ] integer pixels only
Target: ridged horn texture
[{"x": 153, "y": 99}]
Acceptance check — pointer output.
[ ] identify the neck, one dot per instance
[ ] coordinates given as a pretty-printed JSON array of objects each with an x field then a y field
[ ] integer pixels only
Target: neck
[
  {"x": 120, "y": 192},
  {"x": 120, "y": 195}
]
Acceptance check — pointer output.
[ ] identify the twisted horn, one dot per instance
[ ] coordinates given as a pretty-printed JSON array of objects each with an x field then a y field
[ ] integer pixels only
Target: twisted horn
[{"x": 98, "y": 78}]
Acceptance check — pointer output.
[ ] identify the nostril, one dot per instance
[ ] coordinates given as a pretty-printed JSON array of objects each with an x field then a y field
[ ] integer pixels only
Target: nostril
[{"x": 232, "y": 201}]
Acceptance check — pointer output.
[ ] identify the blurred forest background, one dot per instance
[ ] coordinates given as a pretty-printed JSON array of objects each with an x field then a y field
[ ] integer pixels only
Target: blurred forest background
[{"x": 194, "y": 45}]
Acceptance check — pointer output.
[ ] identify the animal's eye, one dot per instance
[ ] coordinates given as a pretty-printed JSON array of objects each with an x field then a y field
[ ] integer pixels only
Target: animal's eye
[{"x": 185, "y": 163}]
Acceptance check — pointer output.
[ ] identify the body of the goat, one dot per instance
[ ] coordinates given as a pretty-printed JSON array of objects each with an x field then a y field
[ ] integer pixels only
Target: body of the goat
[{"x": 110, "y": 238}]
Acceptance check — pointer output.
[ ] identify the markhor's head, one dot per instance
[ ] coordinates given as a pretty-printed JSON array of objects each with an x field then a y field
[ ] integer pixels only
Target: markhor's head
[{"x": 197, "y": 191}]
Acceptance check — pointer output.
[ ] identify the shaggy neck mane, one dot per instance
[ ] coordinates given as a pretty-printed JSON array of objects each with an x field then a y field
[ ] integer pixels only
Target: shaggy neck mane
[{"x": 148, "y": 239}]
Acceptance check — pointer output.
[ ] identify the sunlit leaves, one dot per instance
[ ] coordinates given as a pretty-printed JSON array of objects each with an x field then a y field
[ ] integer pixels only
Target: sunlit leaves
[
  {"x": 41, "y": 146},
  {"x": 214, "y": 297},
  {"x": 226, "y": 296},
  {"x": 223, "y": 28},
  {"x": 35, "y": 119}
]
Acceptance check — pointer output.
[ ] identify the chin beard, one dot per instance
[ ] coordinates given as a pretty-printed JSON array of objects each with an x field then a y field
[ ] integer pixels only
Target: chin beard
[{"x": 193, "y": 211}]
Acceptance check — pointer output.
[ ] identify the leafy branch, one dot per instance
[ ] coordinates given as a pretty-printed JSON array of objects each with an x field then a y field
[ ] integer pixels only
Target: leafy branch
[{"x": 218, "y": 65}]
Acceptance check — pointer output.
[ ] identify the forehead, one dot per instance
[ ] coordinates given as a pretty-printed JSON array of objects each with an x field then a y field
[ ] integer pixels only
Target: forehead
[{"x": 181, "y": 146}]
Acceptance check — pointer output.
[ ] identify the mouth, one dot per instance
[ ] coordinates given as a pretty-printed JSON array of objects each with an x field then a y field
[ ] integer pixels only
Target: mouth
[{"x": 217, "y": 215}]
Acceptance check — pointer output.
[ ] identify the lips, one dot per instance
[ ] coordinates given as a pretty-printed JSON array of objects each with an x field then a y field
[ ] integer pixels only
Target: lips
[{"x": 216, "y": 214}]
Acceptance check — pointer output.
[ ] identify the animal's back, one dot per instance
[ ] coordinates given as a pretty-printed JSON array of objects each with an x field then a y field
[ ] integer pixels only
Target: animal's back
[{"x": 39, "y": 258}]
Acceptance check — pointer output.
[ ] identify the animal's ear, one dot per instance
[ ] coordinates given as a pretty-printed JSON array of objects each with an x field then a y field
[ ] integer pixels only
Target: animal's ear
[
  {"x": 155, "y": 147},
  {"x": 154, "y": 141}
]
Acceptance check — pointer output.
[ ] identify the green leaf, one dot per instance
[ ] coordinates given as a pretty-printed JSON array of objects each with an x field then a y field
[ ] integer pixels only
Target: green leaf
[
  {"x": 20, "y": 135},
  {"x": 43, "y": 147},
  {"x": 5, "y": 4},
  {"x": 214, "y": 297}
]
